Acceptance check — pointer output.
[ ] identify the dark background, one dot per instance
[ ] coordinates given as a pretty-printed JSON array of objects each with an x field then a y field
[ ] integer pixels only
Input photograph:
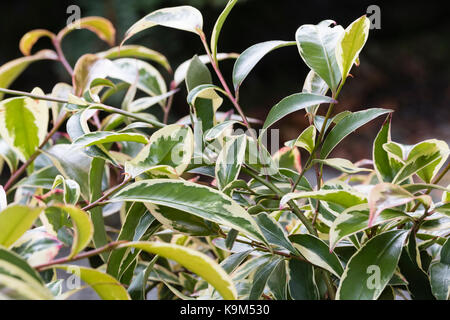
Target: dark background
[{"x": 404, "y": 65}]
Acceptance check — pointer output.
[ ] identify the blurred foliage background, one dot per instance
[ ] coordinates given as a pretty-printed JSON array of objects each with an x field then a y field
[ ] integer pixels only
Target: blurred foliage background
[{"x": 404, "y": 65}]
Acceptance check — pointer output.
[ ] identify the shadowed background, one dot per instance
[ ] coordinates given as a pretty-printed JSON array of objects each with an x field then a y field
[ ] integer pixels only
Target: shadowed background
[{"x": 404, "y": 65}]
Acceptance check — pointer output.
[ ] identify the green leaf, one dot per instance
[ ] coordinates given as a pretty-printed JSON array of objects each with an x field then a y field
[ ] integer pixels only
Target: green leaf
[
  {"x": 139, "y": 283},
  {"x": 351, "y": 44},
  {"x": 278, "y": 282},
  {"x": 345, "y": 198},
  {"x": 317, "y": 252},
  {"x": 71, "y": 189},
  {"x": 84, "y": 229},
  {"x": 136, "y": 51},
  {"x": 218, "y": 27},
  {"x": 23, "y": 123},
  {"x": 346, "y": 126},
  {"x": 8, "y": 155},
  {"x": 273, "y": 232},
  {"x": 317, "y": 45},
  {"x": 14, "y": 221},
  {"x": 341, "y": 164},
  {"x": 12, "y": 69},
  {"x": 440, "y": 274},
  {"x": 230, "y": 160},
  {"x": 233, "y": 261},
  {"x": 192, "y": 198},
  {"x": 302, "y": 285},
  {"x": 369, "y": 270},
  {"x": 262, "y": 275},
  {"x": 292, "y": 103},
  {"x": 102, "y": 137},
  {"x": 251, "y": 56},
  {"x": 356, "y": 219},
  {"x": 381, "y": 161},
  {"x": 194, "y": 261},
  {"x": 185, "y": 18},
  {"x": 314, "y": 84},
  {"x": 216, "y": 131},
  {"x": 102, "y": 27},
  {"x": 72, "y": 164},
  {"x": 42, "y": 178},
  {"x": 306, "y": 140},
  {"x": 103, "y": 284},
  {"x": 171, "y": 146},
  {"x": 19, "y": 277}
]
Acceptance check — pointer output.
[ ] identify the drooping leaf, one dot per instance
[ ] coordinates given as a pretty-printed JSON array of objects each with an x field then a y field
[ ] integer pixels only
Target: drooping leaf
[
  {"x": 12, "y": 69},
  {"x": 31, "y": 37},
  {"x": 194, "y": 261},
  {"x": 346, "y": 126},
  {"x": 370, "y": 269},
  {"x": 14, "y": 221},
  {"x": 317, "y": 45},
  {"x": 103, "y": 284},
  {"x": 440, "y": 274},
  {"x": 351, "y": 44},
  {"x": 23, "y": 123},
  {"x": 102, "y": 27},
  {"x": 192, "y": 198},
  {"x": 185, "y": 18},
  {"x": 251, "y": 56}
]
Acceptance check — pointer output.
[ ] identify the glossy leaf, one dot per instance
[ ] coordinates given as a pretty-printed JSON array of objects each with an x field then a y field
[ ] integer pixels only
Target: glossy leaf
[
  {"x": 262, "y": 275},
  {"x": 192, "y": 198},
  {"x": 345, "y": 198},
  {"x": 218, "y": 27},
  {"x": 273, "y": 232},
  {"x": 251, "y": 56},
  {"x": 230, "y": 160},
  {"x": 351, "y": 44},
  {"x": 346, "y": 126},
  {"x": 14, "y": 221},
  {"x": 102, "y": 27},
  {"x": 302, "y": 285},
  {"x": 185, "y": 18},
  {"x": 317, "y": 45},
  {"x": 194, "y": 261},
  {"x": 381, "y": 161},
  {"x": 306, "y": 140},
  {"x": 340, "y": 164},
  {"x": 370, "y": 269},
  {"x": 317, "y": 252},
  {"x": 440, "y": 274},
  {"x": 102, "y": 137}
]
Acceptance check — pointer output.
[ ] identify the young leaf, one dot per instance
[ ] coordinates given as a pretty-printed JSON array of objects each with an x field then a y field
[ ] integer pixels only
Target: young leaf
[
  {"x": 12, "y": 69},
  {"x": 346, "y": 126},
  {"x": 317, "y": 252},
  {"x": 306, "y": 140},
  {"x": 370, "y": 269},
  {"x": 102, "y": 27},
  {"x": 251, "y": 56},
  {"x": 230, "y": 160},
  {"x": 292, "y": 103},
  {"x": 314, "y": 84},
  {"x": 103, "y": 284},
  {"x": 192, "y": 198},
  {"x": 30, "y": 38},
  {"x": 194, "y": 261},
  {"x": 71, "y": 189},
  {"x": 23, "y": 123},
  {"x": 317, "y": 45},
  {"x": 185, "y": 18},
  {"x": 351, "y": 44},
  {"x": 14, "y": 221}
]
